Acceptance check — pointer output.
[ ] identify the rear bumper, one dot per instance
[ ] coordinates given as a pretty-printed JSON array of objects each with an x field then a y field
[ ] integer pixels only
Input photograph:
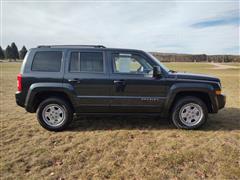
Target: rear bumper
[
  {"x": 19, "y": 99},
  {"x": 221, "y": 101}
]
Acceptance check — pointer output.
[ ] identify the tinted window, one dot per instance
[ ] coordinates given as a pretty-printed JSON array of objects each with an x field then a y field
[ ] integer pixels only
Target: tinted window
[
  {"x": 47, "y": 61},
  {"x": 86, "y": 62},
  {"x": 75, "y": 62}
]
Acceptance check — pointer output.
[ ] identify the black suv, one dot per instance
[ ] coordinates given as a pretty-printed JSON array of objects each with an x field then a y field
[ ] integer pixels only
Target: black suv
[{"x": 60, "y": 81}]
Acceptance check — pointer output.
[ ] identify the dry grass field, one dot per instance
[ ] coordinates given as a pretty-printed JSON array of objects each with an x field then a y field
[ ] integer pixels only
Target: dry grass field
[{"x": 120, "y": 147}]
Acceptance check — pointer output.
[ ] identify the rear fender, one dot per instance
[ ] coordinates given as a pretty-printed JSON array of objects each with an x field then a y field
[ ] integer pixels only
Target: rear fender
[{"x": 36, "y": 88}]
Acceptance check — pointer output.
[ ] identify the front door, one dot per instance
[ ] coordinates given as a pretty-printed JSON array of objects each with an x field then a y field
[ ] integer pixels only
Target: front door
[
  {"x": 86, "y": 72},
  {"x": 134, "y": 90}
]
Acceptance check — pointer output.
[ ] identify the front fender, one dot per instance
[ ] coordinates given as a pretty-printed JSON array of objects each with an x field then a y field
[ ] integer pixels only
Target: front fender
[
  {"x": 189, "y": 87},
  {"x": 37, "y": 88}
]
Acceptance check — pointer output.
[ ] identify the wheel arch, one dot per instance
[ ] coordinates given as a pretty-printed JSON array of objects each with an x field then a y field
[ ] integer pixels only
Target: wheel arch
[
  {"x": 41, "y": 96},
  {"x": 198, "y": 94}
]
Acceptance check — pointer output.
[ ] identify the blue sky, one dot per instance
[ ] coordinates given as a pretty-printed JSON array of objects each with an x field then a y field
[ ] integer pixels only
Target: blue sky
[
  {"x": 229, "y": 18},
  {"x": 210, "y": 27}
]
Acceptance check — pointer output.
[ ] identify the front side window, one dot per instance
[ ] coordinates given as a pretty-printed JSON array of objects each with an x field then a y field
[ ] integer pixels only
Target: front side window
[
  {"x": 130, "y": 63},
  {"x": 86, "y": 62},
  {"x": 47, "y": 61}
]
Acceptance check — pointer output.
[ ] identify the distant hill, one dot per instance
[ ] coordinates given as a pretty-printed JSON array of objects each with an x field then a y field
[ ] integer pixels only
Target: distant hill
[{"x": 172, "y": 57}]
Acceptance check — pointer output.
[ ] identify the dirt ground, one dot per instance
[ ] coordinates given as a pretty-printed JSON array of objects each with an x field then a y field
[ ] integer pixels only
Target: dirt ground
[{"x": 120, "y": 147}]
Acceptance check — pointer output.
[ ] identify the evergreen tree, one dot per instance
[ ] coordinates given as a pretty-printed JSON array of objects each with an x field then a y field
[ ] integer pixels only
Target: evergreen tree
[
  {"x": 1, "y": 53},
  {"x": 9, "y": 53},
  {"x": 23, "y": 52},
  {"x": 15, "y": 51}
]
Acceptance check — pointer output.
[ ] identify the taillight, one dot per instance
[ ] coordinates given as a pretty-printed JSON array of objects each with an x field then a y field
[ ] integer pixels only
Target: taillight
[{"x": 19, "y": 82}]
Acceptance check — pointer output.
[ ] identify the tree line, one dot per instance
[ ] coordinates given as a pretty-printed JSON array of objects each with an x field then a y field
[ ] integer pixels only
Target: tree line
[
  {"x": 11, "y": 52},
  {"x": 172, "y": 57}
]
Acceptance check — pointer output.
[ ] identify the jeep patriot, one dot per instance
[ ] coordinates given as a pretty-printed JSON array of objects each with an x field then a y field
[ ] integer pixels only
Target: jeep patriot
[{"x": 58, "y": 82}]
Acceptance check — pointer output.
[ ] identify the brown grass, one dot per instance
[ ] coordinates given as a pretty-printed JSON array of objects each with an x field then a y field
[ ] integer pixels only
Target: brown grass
[{"x": 119, "y": 147}]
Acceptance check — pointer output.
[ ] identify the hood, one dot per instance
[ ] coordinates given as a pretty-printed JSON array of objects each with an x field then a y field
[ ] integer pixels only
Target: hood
[{"x": 196, "y": 77}]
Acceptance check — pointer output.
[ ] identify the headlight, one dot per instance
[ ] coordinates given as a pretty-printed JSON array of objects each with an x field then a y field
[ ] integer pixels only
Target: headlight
[{"x": 218, "y": 92}]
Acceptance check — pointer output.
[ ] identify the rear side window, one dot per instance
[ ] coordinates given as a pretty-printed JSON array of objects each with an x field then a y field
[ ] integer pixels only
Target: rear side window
[
  {"x": 86, "y": 62},
  {"x": 49, "y": 61}
]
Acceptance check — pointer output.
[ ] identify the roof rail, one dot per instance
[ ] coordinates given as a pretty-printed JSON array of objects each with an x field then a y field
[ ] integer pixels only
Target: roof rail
[
  {"x": 42, "y": 46},
  {"x": 71, "y": 46}
]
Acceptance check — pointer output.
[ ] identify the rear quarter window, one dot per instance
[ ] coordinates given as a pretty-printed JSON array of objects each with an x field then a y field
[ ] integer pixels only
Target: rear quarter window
[{"x": 49, "y": 61}]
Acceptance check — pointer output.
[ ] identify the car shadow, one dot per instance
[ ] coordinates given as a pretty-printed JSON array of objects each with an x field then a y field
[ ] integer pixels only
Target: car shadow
[{"x": 225, "y": 120}]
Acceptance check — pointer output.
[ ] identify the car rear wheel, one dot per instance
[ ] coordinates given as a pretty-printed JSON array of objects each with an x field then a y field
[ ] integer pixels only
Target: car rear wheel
[
  {"x": 189, "y": 113},
  {"x": 54, "y": 114}
]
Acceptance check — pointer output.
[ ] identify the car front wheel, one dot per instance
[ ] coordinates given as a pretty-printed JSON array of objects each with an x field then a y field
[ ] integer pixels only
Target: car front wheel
[
  {"x": 54, "y": 114},
  {"x": 189, "y": 113}
]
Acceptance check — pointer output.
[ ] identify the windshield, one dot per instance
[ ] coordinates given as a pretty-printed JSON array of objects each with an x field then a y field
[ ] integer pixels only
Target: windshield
[{"x": 158, "y": 62}]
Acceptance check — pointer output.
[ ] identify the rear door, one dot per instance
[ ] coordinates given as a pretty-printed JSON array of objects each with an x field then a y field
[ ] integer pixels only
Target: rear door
[
  {"x": 86, "y": 72},
  {"x": 134, "y": 90}
]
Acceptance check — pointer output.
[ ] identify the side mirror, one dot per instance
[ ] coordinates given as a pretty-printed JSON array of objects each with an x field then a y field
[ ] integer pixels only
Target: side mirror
[{"x": 157, "y": 72}]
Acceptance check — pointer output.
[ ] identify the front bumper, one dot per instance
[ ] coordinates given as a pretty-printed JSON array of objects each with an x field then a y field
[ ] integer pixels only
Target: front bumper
[{"x": 221, "y": 99}]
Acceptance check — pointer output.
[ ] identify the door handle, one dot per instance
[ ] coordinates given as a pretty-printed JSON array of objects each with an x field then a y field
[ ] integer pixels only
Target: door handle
[
  {"x": 119, "y": 85},
  {"x": 75, "y": 80},
  {"x": 119, "y": 82}
]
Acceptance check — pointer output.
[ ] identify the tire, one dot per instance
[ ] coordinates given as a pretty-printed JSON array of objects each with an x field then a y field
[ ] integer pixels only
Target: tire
[
  {"x": 189, "y": 113},
  {"x": 54, "y": 114}
]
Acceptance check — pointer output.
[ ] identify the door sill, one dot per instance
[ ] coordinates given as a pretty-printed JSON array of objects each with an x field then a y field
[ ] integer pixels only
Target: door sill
[{"x": 117, "y": 114}]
